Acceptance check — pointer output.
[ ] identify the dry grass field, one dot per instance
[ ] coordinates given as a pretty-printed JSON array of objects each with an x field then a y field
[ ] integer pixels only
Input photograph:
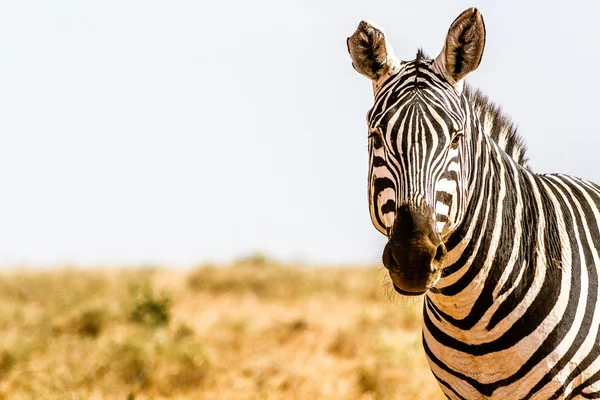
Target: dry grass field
[{"x": 254, "y": 330}]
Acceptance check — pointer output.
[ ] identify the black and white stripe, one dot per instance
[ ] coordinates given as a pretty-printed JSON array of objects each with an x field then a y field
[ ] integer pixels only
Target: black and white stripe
[
  {"x": 430, "y": 152},
  {"x": 513, "y": 312}
]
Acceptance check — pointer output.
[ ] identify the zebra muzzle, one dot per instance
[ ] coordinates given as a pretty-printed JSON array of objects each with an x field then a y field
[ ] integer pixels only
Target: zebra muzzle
[{"x": 414, "y": 254}]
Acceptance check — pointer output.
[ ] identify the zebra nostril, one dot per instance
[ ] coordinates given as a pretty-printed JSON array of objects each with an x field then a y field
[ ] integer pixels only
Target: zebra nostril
[
  {"x": 440, "y": 253},
  {"x": 388, "y": 258}
]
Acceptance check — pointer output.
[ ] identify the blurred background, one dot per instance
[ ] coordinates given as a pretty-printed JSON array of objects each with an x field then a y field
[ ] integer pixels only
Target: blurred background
[{"x": 146, "y": 145}]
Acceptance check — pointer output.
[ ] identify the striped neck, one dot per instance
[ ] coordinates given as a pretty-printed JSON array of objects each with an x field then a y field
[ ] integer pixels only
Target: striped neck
[{"x": 480, "y": 257}]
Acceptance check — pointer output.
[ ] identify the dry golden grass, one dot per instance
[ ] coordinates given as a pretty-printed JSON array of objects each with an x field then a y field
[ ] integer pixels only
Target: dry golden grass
[{"x": 252, "y": 331}]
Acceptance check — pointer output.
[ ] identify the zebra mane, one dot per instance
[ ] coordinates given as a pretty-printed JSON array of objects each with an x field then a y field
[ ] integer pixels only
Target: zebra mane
[{"x": 497, "y": 125}]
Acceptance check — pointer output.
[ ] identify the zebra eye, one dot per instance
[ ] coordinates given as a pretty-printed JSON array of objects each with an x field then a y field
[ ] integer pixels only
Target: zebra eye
[
  {"x": 456, "y": 139},
  {"x": 375, "y": 136}
]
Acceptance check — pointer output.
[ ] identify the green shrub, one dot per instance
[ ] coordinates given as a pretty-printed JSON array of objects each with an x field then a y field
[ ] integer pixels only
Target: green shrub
[{"x": 149, "y": 308}]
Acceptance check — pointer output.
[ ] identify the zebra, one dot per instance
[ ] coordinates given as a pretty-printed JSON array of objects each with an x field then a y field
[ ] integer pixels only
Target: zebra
[{"x": 507, "y": 259}]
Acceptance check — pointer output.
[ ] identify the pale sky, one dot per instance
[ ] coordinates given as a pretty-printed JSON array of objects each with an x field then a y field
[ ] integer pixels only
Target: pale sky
[{"x": 182, "y": 132}]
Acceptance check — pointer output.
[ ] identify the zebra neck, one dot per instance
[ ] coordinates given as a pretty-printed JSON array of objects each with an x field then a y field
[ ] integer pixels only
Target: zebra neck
[{"x": 483, "y": 250}]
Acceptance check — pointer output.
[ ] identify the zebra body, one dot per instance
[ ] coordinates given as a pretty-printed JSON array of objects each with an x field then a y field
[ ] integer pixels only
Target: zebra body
[
  {"x": 515, "y": 312},
  {"x": 507, "y": 259}
]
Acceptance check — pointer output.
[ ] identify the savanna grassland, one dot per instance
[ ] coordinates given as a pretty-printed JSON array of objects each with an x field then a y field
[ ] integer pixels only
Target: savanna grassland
[{"x": 254, "y": 330}]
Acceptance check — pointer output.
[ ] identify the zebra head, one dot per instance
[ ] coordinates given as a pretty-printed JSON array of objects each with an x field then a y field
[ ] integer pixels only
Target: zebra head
[{"x": 419, "y": 146}]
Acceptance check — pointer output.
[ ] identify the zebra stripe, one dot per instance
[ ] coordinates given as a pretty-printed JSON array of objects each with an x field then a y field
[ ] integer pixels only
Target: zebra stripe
[{"x": 507, "y": 258}]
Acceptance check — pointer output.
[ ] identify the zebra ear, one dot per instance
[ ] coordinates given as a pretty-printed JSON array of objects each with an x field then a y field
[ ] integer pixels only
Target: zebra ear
[
  {"x": 464, "y": 45},
  {"x": 371, "y": 53}
]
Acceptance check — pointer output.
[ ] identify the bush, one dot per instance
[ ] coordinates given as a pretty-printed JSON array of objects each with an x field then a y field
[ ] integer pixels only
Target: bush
[
  {"x": 187, "y": 370},
  {"x": 150, "y": 309},
  {"x": 257, "y": 259},
  {"x": 345, "y": 345},
  {"x": 183, "y": 332},
  {"x": 367, "y": 380},
  {"x": 131, "y": 365},
  {"x": 7, "y": 362},
  {"x": 90, "y": 323}
]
